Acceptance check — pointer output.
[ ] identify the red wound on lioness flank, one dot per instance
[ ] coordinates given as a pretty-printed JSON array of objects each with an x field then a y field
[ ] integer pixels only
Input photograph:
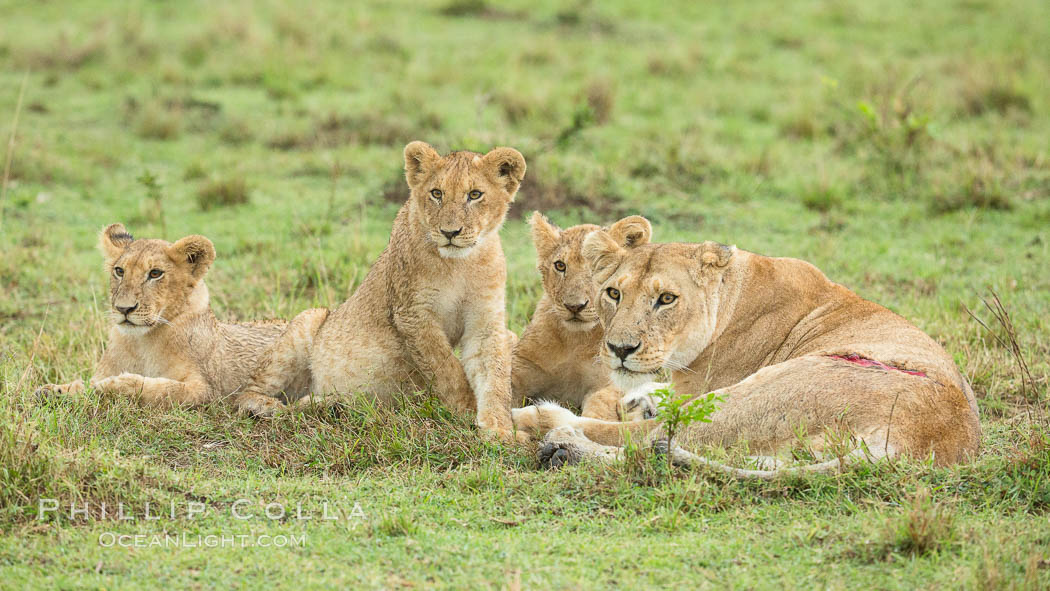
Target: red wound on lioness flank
[{"x": 865, "y": 362}]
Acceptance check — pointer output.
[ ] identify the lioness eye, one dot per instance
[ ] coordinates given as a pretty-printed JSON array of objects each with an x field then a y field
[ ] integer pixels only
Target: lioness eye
[
  {"x": 667, "y": 298},
  {"x": 118, "y": 271},
  {"x": 436, "y": 194},
  {"x": 613, "y": 293},
  {"x": 474, "y": 195},
  {"x": 560, "y": 266},
  {"x": 155, "y": 273}
]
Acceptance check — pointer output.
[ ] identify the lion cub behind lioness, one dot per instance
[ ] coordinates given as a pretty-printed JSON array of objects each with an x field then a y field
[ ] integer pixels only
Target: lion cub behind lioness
[
  {"x": 165, "y": 345},
  {"x": 557, "y": 356}
]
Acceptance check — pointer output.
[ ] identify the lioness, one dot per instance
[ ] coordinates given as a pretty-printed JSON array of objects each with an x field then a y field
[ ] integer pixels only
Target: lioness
[
  {"x": 440, "y": 283},
  {"x": 557, "y": 356},
  {"x": 787, "y": 349},
  {"x": 165, "y": 345}
]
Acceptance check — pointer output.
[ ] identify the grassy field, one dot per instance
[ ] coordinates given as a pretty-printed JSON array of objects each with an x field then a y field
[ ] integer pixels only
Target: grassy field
[{"x": 901, "y": 147}]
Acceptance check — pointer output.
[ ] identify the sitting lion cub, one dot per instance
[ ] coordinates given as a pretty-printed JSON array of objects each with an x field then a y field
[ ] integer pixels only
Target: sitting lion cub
[
  {"x": 557, "y": 356},
  {"x": 165, "y": 345},
  {"x": 439, "y": 284},
  {"x": 791, "y": 352}
]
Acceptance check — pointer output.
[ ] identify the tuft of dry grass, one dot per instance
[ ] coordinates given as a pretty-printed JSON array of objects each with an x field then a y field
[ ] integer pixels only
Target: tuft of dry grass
[
  {"x": 601, "y": 98},
  {"x": 223, "y": 192},
  {"x": 993, "y": 97},
  {"x": 925, "y": 527},
  {"x": 156, "y": 122},
  {"x": 335, "y": 130}
]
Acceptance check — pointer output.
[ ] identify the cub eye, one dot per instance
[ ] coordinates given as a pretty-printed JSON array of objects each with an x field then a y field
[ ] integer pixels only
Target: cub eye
[
  {"x": 155, "y": 273},
  {"x": 436, "y": 194},
  {"x": 613, "y": 293},
  {"x": 559, "y": 266},
  {"x": 118, "y": 271},
  {"x": 667, "y": 298},
  {"x": 474, "y": 195}
]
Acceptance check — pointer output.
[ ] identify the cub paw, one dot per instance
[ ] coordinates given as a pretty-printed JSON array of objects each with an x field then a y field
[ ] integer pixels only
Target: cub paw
[
  {"x": 260, "y": 407},
  {"x": 538, "y": 419},
  {"x": 640, "y": 403},
  {"x": 49, "y": 390}
]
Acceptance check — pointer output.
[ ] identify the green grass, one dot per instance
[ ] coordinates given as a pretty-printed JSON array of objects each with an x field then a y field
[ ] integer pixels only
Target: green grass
[{"x": 899, "y": 147}]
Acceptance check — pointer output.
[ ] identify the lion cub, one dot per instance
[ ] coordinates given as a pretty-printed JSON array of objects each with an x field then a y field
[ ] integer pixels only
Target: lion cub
[
  {"x": 557, "y": 356},
  {"x": 439, "y": 284},
  {"x": 165, "y": 345}
]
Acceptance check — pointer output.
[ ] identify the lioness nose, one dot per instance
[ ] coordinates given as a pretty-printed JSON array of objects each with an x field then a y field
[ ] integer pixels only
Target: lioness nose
[
  {"x": 125, "y": 310},
  {"x": 575, "y": 308},
  {"x": 450, "y": 234},
  {"x": 622, "y": 351}
]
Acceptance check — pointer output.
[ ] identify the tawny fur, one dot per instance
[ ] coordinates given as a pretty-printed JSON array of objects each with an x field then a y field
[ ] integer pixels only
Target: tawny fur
[
  {"x": 557, "y": 356},
  {"x": 762, "y": 332},
  {"x": 170, "y": 348},
  {"x": 423, "y": 297}
]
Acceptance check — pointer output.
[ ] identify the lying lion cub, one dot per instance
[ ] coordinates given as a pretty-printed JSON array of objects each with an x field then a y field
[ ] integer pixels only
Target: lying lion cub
[
  {"x": 557, "y": 356},
  {"x": 788, "y": 350},
  {"x": 165, "y": 345},
  {"x": 439, "y": 284}
]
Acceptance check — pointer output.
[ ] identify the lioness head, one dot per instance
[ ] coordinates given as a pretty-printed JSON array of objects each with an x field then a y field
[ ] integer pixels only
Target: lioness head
[
  {"x": 567, "y": 278},
  {"x": 462, "y": 198},
  {"x": 657, "y": 303},
  {"x": 153, "y": 281}
]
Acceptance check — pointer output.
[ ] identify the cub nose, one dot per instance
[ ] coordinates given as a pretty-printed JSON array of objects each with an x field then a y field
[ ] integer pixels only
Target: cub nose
[
  {"x": 450, "y": 234},
  {"x": 622, "y": 351},
  {"x": 575, "y": 308},
  {"x": 125, "y": 310}
]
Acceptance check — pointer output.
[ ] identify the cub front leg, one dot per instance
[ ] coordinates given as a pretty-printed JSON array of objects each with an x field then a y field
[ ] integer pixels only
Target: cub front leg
[
  {"x": 604, "y": 404},
  {"x": 154, "y": 391},
  {"x": 433, "y": 357},
  {"x": 487, "y": 362},
  {"x": 107, "y": 366},
  {"x": 74, "y": 387},
  {"x": 283, "y": 361}
]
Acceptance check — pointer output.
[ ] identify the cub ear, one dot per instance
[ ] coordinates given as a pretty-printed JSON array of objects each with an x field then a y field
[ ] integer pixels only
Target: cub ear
[
  {"x": 632, "y": 231},
  {"x": 420, "y": 161},
  {"x": 195, "y": 251},
  {"x": 506, "y": 166},
  {"x": 112, "y": 241},
  {"x": 544, "y": 234},
  {"x": 603, "y": 253}
]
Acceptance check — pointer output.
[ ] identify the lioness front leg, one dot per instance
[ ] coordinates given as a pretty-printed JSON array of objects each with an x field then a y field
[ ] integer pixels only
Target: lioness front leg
[
  {"x": 154, "y": 390},
  {"x": 433, "y": 356},
  {"x": 284, "y": 360}
]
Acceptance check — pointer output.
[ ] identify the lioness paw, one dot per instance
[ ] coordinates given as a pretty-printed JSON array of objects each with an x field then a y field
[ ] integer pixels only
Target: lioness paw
[{"x": 558, "y": 449}]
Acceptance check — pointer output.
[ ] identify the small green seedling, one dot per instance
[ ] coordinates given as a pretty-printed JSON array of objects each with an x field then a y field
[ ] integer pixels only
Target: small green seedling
[{"x": 679, "y": 411}]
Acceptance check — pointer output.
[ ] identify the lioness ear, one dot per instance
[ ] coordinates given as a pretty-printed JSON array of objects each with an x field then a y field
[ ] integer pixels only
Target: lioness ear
[
  {"x": 603, "y": 253},
  {"x": 196, "y": 251},
  {"x": 420, "y": 160},
  {"x": 544, "y": 234},
  {"x": 112, "y": 241},
  {"x": 710, "y": 254},
  {"x": 632, "y": 231},
  {"x": 507, "y": 167}
]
